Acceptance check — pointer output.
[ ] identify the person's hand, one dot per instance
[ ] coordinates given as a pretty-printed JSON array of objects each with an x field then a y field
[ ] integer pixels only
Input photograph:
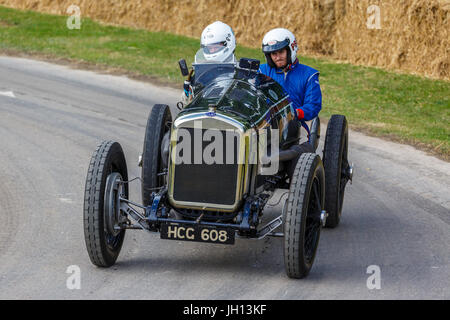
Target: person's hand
[
  {"x": 300, "y": 114},
  {"x": 185, "y": 99}
]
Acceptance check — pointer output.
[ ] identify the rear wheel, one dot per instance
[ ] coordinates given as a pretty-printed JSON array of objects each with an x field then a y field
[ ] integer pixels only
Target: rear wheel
[
  {"x": 158, "y": 127},
  {"x": 337, "y": 168},
  {"x": 302, "y": 216},
  {"x": 103, "y": 242}
]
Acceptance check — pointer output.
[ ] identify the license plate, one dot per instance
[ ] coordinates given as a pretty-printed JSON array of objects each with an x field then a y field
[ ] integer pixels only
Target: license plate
[{"x": 199, "y": 233}]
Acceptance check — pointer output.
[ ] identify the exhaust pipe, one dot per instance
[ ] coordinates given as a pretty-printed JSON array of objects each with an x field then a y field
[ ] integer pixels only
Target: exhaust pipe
[
  {"x": 283, "y": 155},
  {"x": 315, "y": 133}
]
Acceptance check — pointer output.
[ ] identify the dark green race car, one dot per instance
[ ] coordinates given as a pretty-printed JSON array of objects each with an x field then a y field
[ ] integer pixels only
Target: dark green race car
[{"x": 208, "y": 173}]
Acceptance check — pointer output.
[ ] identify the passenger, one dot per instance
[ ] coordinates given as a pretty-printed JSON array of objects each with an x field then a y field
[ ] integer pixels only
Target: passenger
[
  {"x": 298, "y": 80},
  {"x": 301, "y": 82}
]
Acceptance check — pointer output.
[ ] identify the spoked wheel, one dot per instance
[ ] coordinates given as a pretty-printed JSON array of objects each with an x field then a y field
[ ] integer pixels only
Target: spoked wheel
[
  {"x": 337, "y": 168},
  {"x": 155, "y": 151},
  {"x": 303, "y": 215},
  {"x": 102, "y": 217}
]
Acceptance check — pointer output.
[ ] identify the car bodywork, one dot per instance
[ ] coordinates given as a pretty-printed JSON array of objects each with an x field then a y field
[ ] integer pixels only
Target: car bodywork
[{"x": 254, "y": 108}]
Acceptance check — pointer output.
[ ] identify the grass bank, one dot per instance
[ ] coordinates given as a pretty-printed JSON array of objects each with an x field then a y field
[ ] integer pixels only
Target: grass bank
[{"x": 404, "y": 108}]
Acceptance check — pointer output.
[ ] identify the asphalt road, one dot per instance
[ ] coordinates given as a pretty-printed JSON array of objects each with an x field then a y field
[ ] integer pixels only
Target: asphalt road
[{"x": 396, "y": 213}]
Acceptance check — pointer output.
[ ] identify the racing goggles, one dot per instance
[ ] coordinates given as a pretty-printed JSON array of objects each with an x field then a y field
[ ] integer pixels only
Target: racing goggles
[
  {"x": 274, "y": 45},
  {"x": 214, "y": 48}
]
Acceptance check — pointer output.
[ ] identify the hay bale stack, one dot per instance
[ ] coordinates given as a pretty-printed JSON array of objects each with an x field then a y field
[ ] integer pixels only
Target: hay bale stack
[{"x": 414, "y": 34}]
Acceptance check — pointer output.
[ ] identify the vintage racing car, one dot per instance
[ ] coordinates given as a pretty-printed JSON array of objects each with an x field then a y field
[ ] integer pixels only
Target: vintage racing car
[{"x": 208, "y": 173}]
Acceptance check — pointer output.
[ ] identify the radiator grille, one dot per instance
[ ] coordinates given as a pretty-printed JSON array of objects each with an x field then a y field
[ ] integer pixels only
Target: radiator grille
[{"x": 200, "y": 182}]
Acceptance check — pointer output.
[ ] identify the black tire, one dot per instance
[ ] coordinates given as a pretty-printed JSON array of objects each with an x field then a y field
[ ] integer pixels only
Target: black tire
[
  {"x": 302, "y": 223},
  {"x": 336, "y": 165},
  {"x": 103, "y": 248},
  {"x": 158, "y": 124}
]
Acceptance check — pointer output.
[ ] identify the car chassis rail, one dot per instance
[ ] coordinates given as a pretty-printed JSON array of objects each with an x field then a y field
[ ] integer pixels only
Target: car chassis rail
[{"x": 151, "y": 222}]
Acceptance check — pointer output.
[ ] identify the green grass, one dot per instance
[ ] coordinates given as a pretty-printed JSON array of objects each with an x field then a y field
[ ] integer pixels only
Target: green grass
[{"x": 405, "y": 108}]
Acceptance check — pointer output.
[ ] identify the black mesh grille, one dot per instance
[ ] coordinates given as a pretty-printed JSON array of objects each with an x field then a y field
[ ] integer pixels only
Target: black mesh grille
[{"x": 207, "y": 183}]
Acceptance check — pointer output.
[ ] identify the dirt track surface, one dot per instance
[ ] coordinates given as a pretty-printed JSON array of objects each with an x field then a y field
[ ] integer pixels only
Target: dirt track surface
[{"x": 396, "y": 214}]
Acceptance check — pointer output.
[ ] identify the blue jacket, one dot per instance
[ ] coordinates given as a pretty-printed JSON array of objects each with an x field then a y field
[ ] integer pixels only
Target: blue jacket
[{"x": 302, "y": 84}]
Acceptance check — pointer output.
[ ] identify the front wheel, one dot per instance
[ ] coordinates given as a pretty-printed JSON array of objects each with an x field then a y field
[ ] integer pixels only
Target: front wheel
[
  {"x": 303, "y": 215},
  {"x": 157, "y": 137},
  {"x": 107, "y": 170}
]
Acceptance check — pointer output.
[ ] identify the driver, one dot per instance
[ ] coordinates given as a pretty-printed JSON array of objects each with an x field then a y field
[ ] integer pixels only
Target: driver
[
  {"x": 218, "y": 44},
  {"x": 298, "y": 80}
]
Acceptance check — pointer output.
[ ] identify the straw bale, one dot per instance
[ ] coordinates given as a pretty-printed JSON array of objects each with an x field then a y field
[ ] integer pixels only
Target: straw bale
[{"x": 414, "y": 34}]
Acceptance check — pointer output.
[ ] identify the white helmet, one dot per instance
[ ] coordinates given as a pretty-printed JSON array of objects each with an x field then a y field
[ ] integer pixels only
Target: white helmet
[
  {"x": 218, "y": 42},
  {"x": 277, "y": 39}
]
